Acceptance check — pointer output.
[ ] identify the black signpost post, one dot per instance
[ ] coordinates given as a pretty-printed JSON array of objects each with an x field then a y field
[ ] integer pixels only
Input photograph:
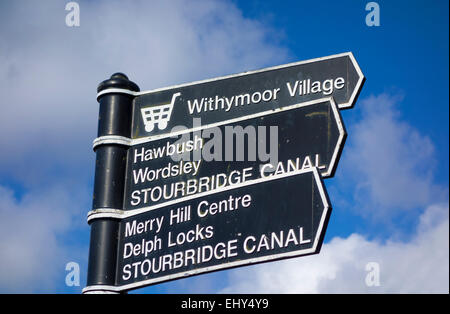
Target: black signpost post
[
  {"x": 114, "y": 122},
  {"x": 215, "y": 174}
]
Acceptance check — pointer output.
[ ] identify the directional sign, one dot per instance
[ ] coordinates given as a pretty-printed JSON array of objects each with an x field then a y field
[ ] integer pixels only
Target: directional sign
[
  {"x": 231, "y": 97},
  {"x": 238, "y": 225},
  {"x": 294, "y": 138},
  {"x": 215, "y": 174}
]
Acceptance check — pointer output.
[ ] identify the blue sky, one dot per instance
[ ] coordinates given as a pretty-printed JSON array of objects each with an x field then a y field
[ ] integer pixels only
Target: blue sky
[{"x": 389, "y": 193}]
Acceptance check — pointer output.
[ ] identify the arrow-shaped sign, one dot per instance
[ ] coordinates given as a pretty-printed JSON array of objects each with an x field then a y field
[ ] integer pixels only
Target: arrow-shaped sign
[
  {"x": 293, "y": 138},
  {"x": 238, "y": 225},
  {"x": 231, "y": 97}
]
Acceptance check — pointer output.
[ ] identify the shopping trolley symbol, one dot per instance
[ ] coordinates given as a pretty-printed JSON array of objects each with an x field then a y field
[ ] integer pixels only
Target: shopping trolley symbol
[{"x": 159, "y": 114}]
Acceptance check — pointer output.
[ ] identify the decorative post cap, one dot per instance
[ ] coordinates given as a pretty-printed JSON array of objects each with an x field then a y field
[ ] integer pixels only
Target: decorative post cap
[{"x": 118, "y": 80}]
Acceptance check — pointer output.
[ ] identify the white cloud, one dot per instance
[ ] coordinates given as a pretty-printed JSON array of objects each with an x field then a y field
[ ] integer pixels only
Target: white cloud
[
  {"x": 417, "y": 266},
  {"x": 387, "y": 164},
  {"x": 387, "y": 170},
  {"x": 50, "y": 72},
  {"x": 32, "y": 229},
  {"x": 48, "y": 79}
]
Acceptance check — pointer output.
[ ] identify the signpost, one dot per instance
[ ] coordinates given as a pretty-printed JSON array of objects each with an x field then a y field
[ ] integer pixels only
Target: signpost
[{"x": 183, "y": 173}]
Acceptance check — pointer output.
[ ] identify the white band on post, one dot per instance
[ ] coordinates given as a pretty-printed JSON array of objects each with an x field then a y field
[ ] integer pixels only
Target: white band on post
[
  {"x": 104, "y": 213},
  {"x": 100, "y": 289},
  {"x": 111, "y": 139},
  {"x": 118, "y": 91}
]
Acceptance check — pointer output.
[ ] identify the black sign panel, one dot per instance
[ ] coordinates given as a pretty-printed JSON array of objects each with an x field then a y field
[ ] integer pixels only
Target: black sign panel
[
  {"x": 237, "y": 225},
  {"x": 227, "y": 98},
  {"x": 294, "y": 138}
]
